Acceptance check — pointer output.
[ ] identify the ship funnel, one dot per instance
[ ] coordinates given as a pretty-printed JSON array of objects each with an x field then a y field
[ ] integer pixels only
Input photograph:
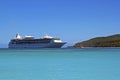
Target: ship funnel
[{"x": 18, "y": 36}]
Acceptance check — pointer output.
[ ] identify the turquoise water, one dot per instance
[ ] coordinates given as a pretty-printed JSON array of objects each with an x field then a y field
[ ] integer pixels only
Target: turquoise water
[{"x": 60, "y": 64}]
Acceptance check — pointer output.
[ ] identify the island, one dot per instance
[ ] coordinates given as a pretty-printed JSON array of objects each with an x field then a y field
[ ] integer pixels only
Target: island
[{"x": 108, "y": 41}]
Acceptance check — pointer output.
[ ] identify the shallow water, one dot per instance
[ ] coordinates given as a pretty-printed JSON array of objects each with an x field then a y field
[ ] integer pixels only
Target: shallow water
[{"x": 60, "y": 64}]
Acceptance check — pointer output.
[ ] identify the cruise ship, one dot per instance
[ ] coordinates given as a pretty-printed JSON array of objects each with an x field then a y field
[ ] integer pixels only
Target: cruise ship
[{"x": 31, "y": 42}]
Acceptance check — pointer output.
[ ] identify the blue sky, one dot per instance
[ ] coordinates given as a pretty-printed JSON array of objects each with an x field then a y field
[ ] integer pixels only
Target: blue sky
[{"x": 70, "y": 20}]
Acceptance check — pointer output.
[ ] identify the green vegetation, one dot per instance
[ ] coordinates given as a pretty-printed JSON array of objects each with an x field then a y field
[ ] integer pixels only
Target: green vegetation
[{"x": 109, "y": 41}]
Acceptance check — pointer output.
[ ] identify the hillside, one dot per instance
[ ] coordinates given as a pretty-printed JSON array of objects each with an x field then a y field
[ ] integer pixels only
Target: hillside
[{"x": 109, "y": 41}]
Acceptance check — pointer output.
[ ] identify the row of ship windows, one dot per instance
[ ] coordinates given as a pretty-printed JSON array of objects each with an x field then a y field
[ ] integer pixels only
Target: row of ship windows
[
  {"x": 29, "y": 42},
  {"x": 32, "y": 40}
]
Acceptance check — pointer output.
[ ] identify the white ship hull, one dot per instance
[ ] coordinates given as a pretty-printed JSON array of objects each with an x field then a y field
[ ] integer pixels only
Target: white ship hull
[{"x": 49, "y": 45}]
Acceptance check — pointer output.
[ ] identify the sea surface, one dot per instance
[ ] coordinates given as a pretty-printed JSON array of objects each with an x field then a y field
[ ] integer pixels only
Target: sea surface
[{"x": 60, "y": 64}]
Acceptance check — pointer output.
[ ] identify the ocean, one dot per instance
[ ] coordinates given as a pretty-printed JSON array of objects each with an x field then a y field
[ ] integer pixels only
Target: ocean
[{"x": 60, "y": 64}]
